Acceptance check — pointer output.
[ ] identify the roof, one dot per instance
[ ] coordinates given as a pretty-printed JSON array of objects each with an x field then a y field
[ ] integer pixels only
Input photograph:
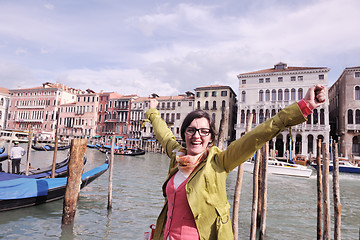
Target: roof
[
  {"x": 282, "y": 67},
  {"x": 4, "y": 90}
]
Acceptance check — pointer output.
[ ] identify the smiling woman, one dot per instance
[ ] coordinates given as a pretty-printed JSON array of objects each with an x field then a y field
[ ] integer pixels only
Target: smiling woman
[{"x": 196, "y": 205}]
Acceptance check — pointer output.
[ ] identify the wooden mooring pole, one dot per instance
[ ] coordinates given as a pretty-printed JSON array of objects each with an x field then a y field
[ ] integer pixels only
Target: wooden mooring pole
[
  {"x": 111, "y": 164},
  {"x": 255, "y": 195},
  {"x": 237, "y": 193},
  {"x": 28, "y": 152},
  {"x": 319, "y": 192},
  {"x": 55, "y": 147},
  {"x": 263, "y": 195},
  {"x": 75, "y": 169},
  {"x": 336, "y": 193},
  {"x": 326, "y": 192}
]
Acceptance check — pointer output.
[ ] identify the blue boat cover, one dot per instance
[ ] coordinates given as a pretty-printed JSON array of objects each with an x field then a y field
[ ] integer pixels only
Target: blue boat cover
[{"x": 20, "y": 186}]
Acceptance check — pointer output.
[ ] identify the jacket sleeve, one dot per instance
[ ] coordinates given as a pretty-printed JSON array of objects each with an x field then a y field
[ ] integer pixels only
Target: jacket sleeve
[
  {"x": 243, "y": 148},
  {"x": 162, "y": 132}
]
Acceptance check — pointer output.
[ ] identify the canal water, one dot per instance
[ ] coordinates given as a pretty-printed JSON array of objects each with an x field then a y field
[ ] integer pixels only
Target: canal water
[{"x": 137, "y": 200}]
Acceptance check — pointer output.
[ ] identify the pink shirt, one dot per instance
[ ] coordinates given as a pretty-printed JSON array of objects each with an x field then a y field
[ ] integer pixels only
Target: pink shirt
[{"x": 180, "y": 223}]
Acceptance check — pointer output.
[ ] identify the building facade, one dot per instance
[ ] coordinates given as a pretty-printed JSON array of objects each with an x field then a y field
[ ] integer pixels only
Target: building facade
[
  {"x": 215, "y": 99},
  {"x": 114, "y": 116},
  {"x": 37, "y": 108},
  {"x": 265, "y": 92},
  {"x": 173, "y": 109},
  {"x": 79, "y": 119},
  {"x": 4, "y": 104},
  {"x": 344, "y": 97}
]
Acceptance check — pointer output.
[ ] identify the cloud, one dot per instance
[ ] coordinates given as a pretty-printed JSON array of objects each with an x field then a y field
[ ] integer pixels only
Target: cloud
[
  {"x": 125, "y": 81},
  {"x": 49, "y": 6},
  {"x": 13, "y": 76}
]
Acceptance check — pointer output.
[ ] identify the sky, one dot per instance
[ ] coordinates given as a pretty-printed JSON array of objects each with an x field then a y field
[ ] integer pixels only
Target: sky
[{"x": 170, "y": 47}]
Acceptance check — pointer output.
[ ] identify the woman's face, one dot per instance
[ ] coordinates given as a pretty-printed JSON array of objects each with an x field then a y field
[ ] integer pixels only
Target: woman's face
[{"x": 195, "y": 136}]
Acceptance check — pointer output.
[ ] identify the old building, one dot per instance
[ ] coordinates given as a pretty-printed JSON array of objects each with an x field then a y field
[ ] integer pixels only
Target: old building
[
  {"x": 114, "y": 116},
  {"x": 215, "y": 99},
  {"x": 79, "y": 119},
  {"x": 263, "y": 93},
  {"x": 37, "y": 108},
  {"x": 173, "y": 109},
  {"x": 4, "y": 104},
  {"x": 344, "y": 97}
]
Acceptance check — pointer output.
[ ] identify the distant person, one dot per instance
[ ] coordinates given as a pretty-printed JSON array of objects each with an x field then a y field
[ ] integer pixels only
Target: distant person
[
  {"x": 15, "y": 155},
  {"x": 196, "y": 205}
]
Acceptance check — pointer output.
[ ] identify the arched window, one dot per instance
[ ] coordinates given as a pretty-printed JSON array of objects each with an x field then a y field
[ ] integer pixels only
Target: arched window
[
  {"x": 198, "y": 105},
  {"x": 243, "y": 96},
  {"x": 315, "y": 116},
  {"x": 310, "y": 144},
  {"x": 357, "y": 93},
  {"x": 206, "y": 105},
  {"x": 322, "y": 116},
  {"x": 280, "y": 95},
  {"x": 0, "y": 114},
  {"x": 267, "y": 95},
  {"x": 242, "y": 116},
  {"x": 214, "y": 105},
  {"x": 261, "y": 116},
  {"x": 300, "y": 94},
  {"x": 273, "y": 112},
  {"x": 293, "y": 94},
  {"x": 223, "y": 104},
  {"x": 254, "y": 116},
  {"x": 287, "y": 95},
  {"x": 350, "y": 117},
  {"x": 267, "y": 114},
  {"x": 273, "y": 95},
  {"x": 261, "y": 96},
  {"x": 355, "y": 146},
  {"x": 357, "y": 116},
  {"x": 214, "y": 117},
  {"x": 309, "y": 117},
  {"x": 1, "y": 102}
]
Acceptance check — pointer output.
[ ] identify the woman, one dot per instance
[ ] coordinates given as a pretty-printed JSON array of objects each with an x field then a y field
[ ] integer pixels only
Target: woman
[{"x": 196, "y": 205}]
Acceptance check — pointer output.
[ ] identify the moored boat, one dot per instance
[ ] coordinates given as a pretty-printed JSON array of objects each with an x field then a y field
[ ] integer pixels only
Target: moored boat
[
  {"x": 49, "y": 147},
  {"x": 344, "y": 166},
  {"x": 281, "y": 168},
  {"x": 129, "y": 152},
  {"x": 22, "y": 192}
]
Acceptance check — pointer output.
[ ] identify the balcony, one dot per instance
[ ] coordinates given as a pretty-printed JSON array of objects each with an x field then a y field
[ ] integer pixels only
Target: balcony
[
  {"x": 31, "y": 107},
  {"x": 78, "y": 126},
  {"x": 29, "y": 120}
]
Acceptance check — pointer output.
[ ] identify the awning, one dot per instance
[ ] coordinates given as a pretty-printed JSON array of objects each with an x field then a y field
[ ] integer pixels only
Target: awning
[
  {"x": 97, "y": 136},
  {"x": 132, "y": 139}
]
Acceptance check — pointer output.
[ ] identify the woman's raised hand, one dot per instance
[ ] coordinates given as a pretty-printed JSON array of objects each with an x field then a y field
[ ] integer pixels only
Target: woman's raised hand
[
  {"x": 315, "y": 96},
  {"x": 153, "y": 103}
]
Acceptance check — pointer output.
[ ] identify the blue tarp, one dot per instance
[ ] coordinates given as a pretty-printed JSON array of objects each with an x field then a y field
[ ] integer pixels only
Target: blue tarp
[{"x": 24, "y": 187}]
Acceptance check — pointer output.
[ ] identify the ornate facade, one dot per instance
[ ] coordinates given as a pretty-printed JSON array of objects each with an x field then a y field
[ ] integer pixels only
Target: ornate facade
[{"x": 265, "y": 92}]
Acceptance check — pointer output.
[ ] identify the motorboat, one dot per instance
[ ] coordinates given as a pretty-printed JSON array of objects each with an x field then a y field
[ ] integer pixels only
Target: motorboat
[{"x": 281, "y": 168}]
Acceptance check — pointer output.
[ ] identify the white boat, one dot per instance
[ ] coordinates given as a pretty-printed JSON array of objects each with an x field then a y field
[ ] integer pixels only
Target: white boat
[
  {"x": 281, "y": 168},
  {"x": 344, "y": 166},
  {"x": 14, "y": 136}
]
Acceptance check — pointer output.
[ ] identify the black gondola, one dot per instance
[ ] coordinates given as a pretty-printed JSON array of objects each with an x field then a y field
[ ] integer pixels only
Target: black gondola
[
  {"x": 49, "y": 147},
  {"x": 128, "y": 152}
]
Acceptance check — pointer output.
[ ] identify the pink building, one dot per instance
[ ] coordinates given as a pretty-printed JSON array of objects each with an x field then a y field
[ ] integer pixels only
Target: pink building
[
  {"x": 38, "y": 107},
  {"x": 114, "y": 116},
  {"x": 79, "y": 119}
]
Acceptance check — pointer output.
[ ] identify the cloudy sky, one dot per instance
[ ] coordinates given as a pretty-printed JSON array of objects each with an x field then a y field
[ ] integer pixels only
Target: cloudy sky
[{"x": 169, "y": 47}]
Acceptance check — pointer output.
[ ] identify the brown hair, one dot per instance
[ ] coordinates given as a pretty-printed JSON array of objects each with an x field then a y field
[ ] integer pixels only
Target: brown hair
[{"x": 198, "y": 114}]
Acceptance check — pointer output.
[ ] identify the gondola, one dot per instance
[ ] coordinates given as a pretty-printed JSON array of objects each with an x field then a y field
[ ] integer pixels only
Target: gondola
[
  {"x": 128, "y": 152},
  {"x": 49, "y": 147},
  {"x": 61, "y": 170},
  {"x": 21, "y": 191}
]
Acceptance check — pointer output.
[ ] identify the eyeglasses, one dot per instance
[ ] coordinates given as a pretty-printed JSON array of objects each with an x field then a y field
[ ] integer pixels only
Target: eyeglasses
[{"x": 202, "y": 131}]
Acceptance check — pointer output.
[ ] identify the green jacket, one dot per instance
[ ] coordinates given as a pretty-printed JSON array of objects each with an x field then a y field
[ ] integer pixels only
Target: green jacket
[{"x": 206, "y": 187}]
